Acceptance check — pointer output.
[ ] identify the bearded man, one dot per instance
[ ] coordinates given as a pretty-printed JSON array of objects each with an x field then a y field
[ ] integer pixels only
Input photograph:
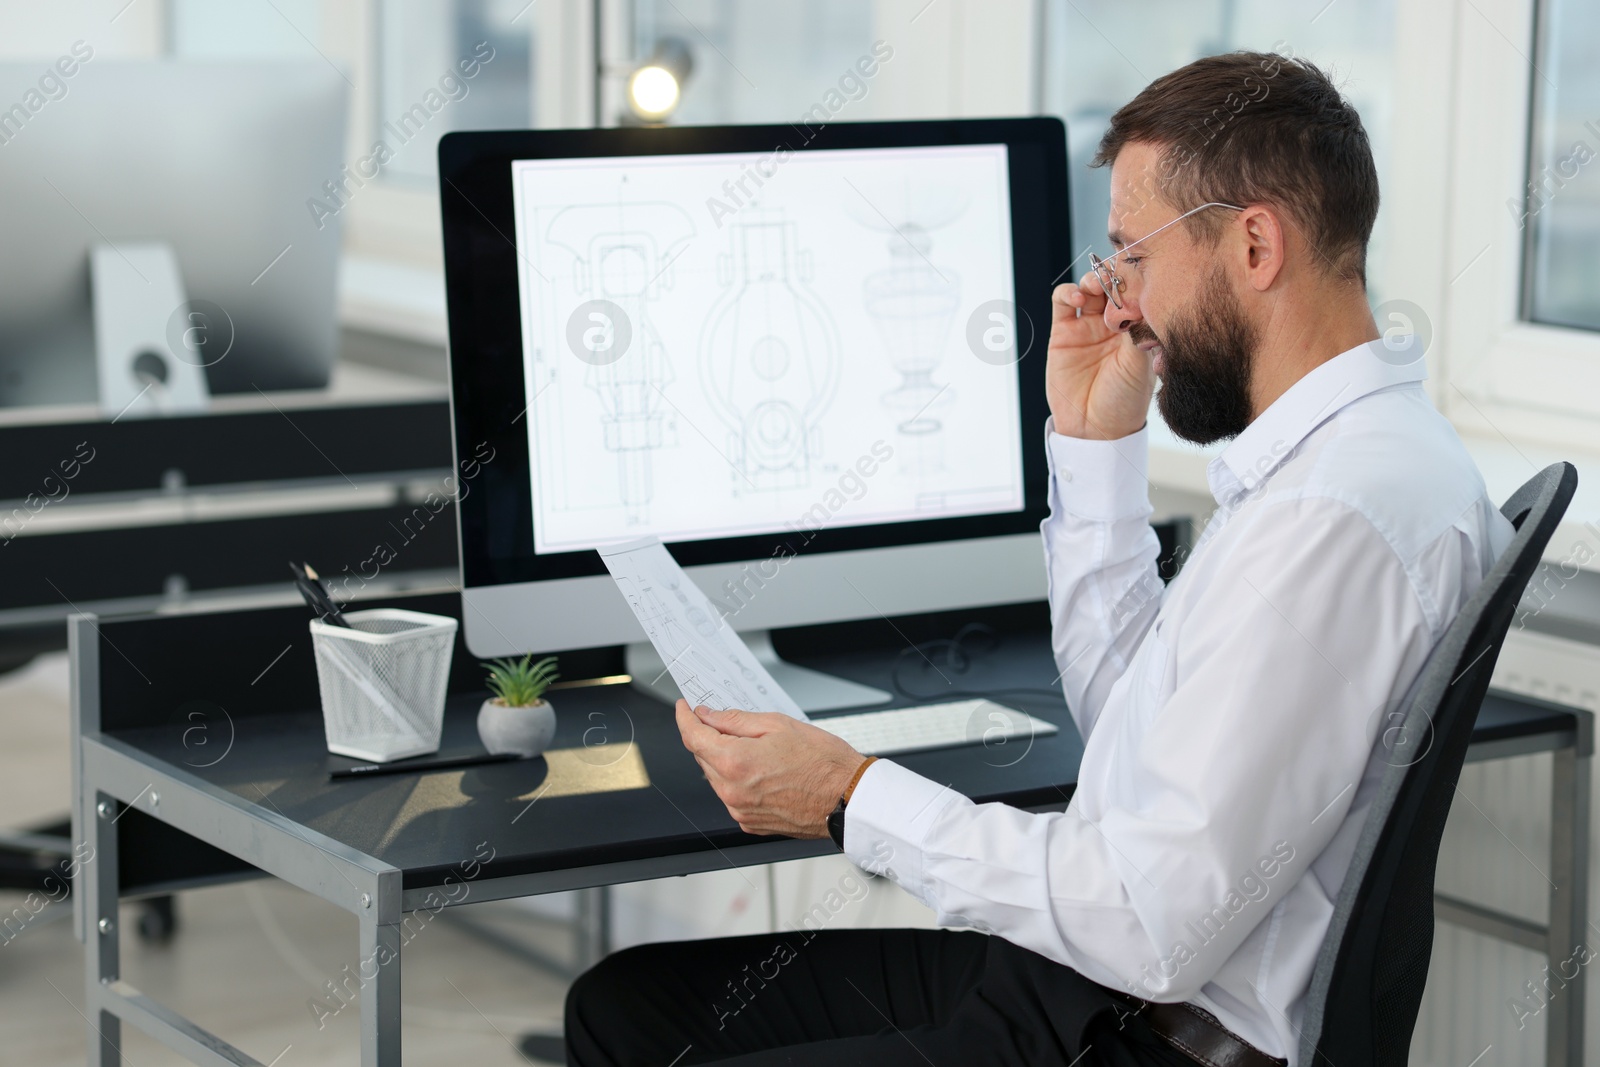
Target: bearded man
[{"x": 1233, "y": 721}]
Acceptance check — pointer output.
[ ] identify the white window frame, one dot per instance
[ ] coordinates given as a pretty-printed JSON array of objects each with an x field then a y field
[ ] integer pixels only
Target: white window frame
[
  {"x": 1503, "y": 376},
  {"x": 393, "y": 260},
  {"x": 393, "y": 265}
]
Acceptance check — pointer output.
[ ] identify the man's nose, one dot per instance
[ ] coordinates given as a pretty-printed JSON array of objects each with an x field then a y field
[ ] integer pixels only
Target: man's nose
[{"x": 1122, "y": 319}]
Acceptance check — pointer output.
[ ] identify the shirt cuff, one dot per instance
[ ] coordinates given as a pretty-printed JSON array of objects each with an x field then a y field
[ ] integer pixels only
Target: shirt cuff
[
  {"x": 888, "y": 819},
  {"x": 1101, "y": 481}
]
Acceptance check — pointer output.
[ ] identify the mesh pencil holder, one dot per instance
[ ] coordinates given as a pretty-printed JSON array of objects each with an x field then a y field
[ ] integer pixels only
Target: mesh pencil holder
[{"x": 383, "y": 682}]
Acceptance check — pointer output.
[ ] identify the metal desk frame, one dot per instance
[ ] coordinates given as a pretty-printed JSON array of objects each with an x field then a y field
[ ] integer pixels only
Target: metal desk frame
[
  {"x": 1571, "y": 752},
  {"x": 111, "y": 776}
]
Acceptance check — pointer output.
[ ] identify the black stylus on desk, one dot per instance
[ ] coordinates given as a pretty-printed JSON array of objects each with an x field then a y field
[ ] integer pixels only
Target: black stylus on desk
[{"x": 366, "y": 770}]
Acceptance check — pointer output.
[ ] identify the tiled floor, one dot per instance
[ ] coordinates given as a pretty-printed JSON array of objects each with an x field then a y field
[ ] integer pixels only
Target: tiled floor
[
  {"x": 247, "y": 963},
  {"x": 248, "y": 958}
]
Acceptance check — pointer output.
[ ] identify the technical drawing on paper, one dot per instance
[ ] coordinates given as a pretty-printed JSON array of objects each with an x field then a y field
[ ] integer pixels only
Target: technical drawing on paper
[
  {"x": 627, "y": 263},
  {"x": 711, "y": 664},
  {"x": 912, "y": 301},
  {"x": 769, "y": 355}
]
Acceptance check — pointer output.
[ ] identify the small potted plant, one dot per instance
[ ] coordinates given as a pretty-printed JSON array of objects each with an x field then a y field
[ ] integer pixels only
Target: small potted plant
[{"x": 518, "y": 718}]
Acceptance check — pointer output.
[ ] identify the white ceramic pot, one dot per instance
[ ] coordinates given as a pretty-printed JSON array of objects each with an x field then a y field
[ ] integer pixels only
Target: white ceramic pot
[{"x": 525, "y": 731}]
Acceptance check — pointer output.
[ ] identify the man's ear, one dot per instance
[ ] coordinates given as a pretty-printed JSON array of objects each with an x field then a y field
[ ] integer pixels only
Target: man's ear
[{"x": 1265, "y": 239}]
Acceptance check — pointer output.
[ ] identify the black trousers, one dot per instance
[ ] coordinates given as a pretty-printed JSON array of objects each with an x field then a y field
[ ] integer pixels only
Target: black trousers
[{"x": 850, "y": 998}]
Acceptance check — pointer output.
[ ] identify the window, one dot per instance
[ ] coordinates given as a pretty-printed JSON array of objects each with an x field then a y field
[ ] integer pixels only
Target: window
[
  {"x": 440, "y": 65},
  {"x": 1498, "y": 199},
  {"x": 449, "y": 65},
  {"x": 1560, "y": 211},
  {"x": 206, "y": 29},
  {"x": 1097, "y": 57},
  {"x": 753, "y": 63}
]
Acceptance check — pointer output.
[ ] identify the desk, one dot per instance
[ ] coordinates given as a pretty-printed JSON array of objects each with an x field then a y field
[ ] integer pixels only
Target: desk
[
  {"x": 122, "y": 515},
  {"x": 628, "y": 804},
  {"x": 1518, "y": 726},
  {"x": 320, "y": 475},
  {"x": 385, "y": 846}
]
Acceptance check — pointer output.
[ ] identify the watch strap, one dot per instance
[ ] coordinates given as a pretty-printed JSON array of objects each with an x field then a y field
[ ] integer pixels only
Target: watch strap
[
  {"x": 856, "y": 778},
  {"x": 836, "y": 816}
]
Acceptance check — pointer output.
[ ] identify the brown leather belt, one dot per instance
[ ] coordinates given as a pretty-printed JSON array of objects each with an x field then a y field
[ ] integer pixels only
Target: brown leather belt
[{"x": 1199, "y": 1035}]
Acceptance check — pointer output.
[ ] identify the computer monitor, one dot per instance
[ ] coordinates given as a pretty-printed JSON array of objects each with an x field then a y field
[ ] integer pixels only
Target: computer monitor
[
  {"x": 810, "y": 360},
  {"x": 220, "y": 161}
]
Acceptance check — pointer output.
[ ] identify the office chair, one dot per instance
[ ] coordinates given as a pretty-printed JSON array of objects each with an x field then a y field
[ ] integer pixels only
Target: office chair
[{"x": 1367, "y": 986}]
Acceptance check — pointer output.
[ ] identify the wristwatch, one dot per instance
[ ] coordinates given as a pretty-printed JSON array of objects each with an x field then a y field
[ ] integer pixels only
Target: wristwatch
[{"x": 836, "y": 816}]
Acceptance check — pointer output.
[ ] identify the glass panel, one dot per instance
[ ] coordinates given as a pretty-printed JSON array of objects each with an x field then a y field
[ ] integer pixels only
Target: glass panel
[
  {"x": 754, "y": 63},
  {"x": 244, "y": 29},
  {"x": 450, "y": 65},
  {"x": 1561, "y": 208},
  {"x": 1098, "y": 57}
]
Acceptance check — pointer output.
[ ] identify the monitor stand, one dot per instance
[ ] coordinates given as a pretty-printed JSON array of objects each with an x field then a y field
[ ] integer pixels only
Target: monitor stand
[
  {"x": 812, "y": 690},
  {"x": 149, "y": 337}
]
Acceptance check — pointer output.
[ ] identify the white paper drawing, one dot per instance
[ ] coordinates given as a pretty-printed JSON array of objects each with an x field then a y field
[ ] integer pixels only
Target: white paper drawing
[{"x": 711, "y": 664}]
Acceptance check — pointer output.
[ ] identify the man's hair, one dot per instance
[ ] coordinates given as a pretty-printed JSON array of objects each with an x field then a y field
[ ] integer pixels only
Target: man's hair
[{"x": 1258, "y": 128}]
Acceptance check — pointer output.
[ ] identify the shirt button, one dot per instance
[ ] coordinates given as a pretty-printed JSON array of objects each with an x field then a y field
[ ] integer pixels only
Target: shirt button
[{"x": 1066, "y": 474}]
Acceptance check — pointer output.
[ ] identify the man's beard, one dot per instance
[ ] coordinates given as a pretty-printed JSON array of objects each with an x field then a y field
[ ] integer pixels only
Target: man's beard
[{"x": 1206, "y": 362}]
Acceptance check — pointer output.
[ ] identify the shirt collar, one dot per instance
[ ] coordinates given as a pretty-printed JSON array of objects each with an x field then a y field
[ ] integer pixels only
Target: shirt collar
[{"x": 1307, "y": 404}]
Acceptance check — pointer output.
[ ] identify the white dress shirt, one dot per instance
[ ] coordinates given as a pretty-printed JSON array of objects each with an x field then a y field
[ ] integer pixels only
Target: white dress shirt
[{"x": 1234, "y": 721}]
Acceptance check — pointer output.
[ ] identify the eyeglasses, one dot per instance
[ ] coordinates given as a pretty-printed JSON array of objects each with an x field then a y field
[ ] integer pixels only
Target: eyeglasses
[{"x": 1108, "y": 277}]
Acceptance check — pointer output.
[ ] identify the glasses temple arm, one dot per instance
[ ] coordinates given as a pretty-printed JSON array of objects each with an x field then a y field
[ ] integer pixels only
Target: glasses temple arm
[{"x": 1215, "y": 203}]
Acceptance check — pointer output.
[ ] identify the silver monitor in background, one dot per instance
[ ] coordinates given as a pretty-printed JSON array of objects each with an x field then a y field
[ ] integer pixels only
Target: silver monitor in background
[{"x": 217, "y": 160}]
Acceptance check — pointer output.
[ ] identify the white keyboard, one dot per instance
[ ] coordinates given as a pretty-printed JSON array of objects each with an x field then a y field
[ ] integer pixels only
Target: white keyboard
[{"x": 963, "y": 722}]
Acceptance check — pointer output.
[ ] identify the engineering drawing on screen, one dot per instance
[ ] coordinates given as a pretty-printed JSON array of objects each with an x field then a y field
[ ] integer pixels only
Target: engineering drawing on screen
[
  {"x": 913, "y": 301},
  {"x": 769, "y": 356},
  {"x": 623, "y": 258},
  {"x": 698, "y": 367}
]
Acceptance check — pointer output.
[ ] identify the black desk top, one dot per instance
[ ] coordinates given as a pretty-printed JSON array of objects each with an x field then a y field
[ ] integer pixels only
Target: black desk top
[
  {"x": 618, "y": 785},
  {"x": 1506, "y": 717},
  {"x": 595, "y": 800},
  {"x": 225, "y": 447}
]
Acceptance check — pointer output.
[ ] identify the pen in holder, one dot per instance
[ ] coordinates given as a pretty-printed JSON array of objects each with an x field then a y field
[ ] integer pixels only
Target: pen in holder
[{"x": 383, "y": 679}]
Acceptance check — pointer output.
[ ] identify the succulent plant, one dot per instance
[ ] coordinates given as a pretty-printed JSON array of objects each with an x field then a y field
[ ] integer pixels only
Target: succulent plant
[{"x": 521, "y": 683}]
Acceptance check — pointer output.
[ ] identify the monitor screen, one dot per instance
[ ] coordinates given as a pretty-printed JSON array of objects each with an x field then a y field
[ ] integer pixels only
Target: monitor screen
[
  {"x": 744, "y": 343},
  {"x": 752, "y": 342}
]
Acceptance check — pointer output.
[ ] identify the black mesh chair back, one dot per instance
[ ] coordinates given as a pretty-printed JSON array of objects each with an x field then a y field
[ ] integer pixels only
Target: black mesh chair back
[{"x": 1367, "y": 986}]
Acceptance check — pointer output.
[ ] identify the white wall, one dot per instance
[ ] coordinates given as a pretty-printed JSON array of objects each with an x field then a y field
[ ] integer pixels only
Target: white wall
[{"x": 113, "y": 28}]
